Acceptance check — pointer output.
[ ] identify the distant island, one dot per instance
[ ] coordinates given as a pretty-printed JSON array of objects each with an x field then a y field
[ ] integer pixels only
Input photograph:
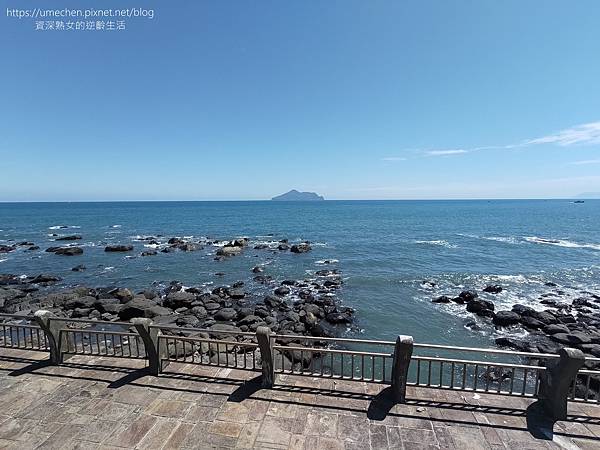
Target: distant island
[{"x": 297, "y": 196}]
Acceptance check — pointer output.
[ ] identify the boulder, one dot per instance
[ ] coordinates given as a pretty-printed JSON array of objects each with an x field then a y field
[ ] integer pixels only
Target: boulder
[
  {"x": 282, "y": 291},
  {"x": 575, "y": 338},
  {"x": 506, "y": 318},
  {"x": 300, "y": 248},
  {"x": 67, "y": 251},
  {"x": 257, "y": 269},
  {"x": 441, "y": 299},
  {"x": 229, "y": 251},
  {"x": 478, "y": 305},
  {"x": 149, "y": 253},
  {"x": 555, "y": 328},
  {"x": 226, "y": 314},
  {"x": 79, "y": 268},
  {"x": 118, "y": 248},
  {"x": 123, "y": 294},
  {"x": 493, "y": 289},
  {"x": 44, "y": 278},
  {"x": 467, "y": 296},
  {"x": 179, "y": 299},
  {"x": 73, "y": 237}
]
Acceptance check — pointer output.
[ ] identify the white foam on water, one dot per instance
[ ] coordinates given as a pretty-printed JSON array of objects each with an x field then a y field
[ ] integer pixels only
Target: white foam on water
[
  {"x": 505, "y": 239},
  {"x": 116, "y": 226},
  {"x": 2, "y": 260},
  {"x": 560, "y": 243},
  {"x": 438, "y": 242},
  {"x": 322, "y": 262},
  {"x": 57, "y": 227}
]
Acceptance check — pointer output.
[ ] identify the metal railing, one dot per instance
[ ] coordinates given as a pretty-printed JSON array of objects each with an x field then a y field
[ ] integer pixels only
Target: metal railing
[
  {"x": 235, "y": 350},
  {"x": 327, "y": 358},
  {"x": 24, "y": 336},
  {"x": 432, "y": 366}
]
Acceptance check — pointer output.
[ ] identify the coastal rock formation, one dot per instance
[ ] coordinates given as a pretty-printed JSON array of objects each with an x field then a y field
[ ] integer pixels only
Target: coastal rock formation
[{"x": 118, "y": 248}]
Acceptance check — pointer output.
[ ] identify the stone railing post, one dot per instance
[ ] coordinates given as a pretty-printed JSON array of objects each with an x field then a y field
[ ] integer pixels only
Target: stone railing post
[
  {"x": 556, "y": 381},
  {"x": 402, "y": 355},
  {"x": 263, "y": 337},
  {"x": 50, "y": 325},
  {"x": 155, "y": 352}
]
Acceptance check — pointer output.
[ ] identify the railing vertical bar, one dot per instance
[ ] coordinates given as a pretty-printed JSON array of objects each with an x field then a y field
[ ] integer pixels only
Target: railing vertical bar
[
  {"x": 452, "y": 376},
  {"x": 441, "y": 372},
  {"x": 524, "y": 381}
]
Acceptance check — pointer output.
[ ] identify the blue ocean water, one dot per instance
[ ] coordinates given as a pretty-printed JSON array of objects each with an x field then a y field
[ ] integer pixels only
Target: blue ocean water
[{"x": 384, "y": 249}]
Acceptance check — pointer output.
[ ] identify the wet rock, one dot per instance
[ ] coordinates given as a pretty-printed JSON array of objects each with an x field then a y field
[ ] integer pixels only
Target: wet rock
[
  {"x": 513, "y": 343},
  {"x": 467, "y": 296},
  {"x": 555, "y": 328},
  {"x": 73, "y": 237},
  {"x": 574, "y": 338},
  {"x": 506, "y": 318},
  {"x": 441, "y": 299},
  {"x": 7, "y": 248},
  {"x": 66, "y": 251},
  {"x": 79, "y": 268},
  {"x": 531, "y": 323},
  {"x": 478, "y": 306},
  {"x": 257, "y": 269},
  {"x": 44, "y": 278},
  {"x": 123, "y": 294},
  {"x": 118, "y": 248},
  {"x": 179, "y": 299},
  {"x": 283, "y": 247},
  {"x": 229, "y": 251},
  {"x": 149, "y": 253},
  {"x": 300, "y": 248},
  {"x": 282, "y": 291},
  {"x": 493, "y": 289},
  {"x": 584, "y": 302},
  {"x": 591, "y": 349},
  {"x": 226, "y": 314}
]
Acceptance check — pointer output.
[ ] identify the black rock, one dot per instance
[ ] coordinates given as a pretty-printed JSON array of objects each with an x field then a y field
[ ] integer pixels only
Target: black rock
[
  {"x": 493, "y": 289},
  {"x": 282, "y": 291},
  {"x": 478, "y": 305},
  {"x": 300, "y": 248},
  {"x": 79, "y": 268},
  {"x": 68, "y": 251},
  {"x": 149, "y": 253},
  {"x": 441, "y": 299},
  {"x": 467, "y": 295},
  {"x": 118, "y": 248},
  {"x": 68, "y": 238},
  {"x": 554, "y": 329},
  {"x": 506, "y": 318}
]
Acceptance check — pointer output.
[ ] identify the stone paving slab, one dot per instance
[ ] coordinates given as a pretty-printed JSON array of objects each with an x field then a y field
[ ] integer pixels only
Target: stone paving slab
[{"x": 108, "y": 403}]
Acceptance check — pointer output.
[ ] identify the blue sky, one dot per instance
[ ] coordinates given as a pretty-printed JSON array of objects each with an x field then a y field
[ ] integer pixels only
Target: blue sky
[{"x": 215, "y": 100}]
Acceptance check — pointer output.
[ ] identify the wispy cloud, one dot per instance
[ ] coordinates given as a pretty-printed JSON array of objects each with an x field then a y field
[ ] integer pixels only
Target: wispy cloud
[
  {"x": 394, "y": 158},
  {"x": 588, "y": 133},
  {"x": 585, "y": 162},
  {"x": 446, "y": 152},
  {"x": 585, "y": 134}
]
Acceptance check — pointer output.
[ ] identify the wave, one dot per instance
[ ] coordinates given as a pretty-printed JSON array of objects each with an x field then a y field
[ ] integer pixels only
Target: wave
[
  {"x": 327, "y": 261},
  {"x": 560, "y": 243},
  {"x": 2, "y": 260},
  {"x": 439, "y": 242}
]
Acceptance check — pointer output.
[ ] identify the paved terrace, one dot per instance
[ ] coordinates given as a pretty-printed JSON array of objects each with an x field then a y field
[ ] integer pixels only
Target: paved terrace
[{"x": 103, "y": 403}]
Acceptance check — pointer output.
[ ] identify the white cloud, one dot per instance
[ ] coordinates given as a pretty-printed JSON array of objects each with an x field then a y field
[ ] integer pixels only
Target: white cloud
[
  {"x": 588, "y": 133},
  {"x": 446, "y": 152},
  {"x": 585, "y": 162},
  {"x": 393, "y": 158},
  {"x": 585, "y": 134}
]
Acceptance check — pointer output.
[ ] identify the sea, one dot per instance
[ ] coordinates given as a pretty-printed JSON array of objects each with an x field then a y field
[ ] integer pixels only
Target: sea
[{"x": 394, "y": 256}]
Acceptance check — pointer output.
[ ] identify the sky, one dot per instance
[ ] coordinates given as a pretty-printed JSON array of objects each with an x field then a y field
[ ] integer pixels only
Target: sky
[{"x": 353, "y": 99}]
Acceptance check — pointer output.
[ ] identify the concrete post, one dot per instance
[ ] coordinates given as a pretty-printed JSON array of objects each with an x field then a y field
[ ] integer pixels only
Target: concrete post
[
  {"x": 155, "y": 351},
  {"x": 263, "y": 337},
  {"x": 57, "y": 340},
  {"x": 556, "y": 381},
  {"x": 402, "y": 355}
]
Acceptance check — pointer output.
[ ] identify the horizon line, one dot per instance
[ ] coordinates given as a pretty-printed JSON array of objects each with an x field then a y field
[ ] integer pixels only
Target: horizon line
[{"x": 304, "y": 201}]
